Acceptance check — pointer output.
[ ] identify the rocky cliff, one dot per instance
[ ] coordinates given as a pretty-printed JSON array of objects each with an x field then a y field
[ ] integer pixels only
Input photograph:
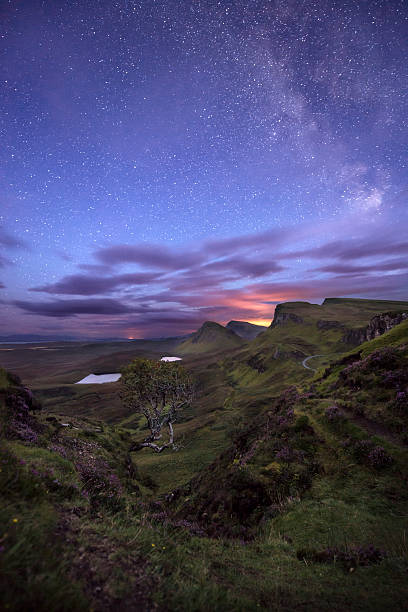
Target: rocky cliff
[
  {"x": 281, "y": 317},
  {"x": 377, "y": 327}
]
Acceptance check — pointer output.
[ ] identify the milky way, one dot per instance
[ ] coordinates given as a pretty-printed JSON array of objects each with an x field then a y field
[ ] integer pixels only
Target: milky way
[{"x": 167, "y": 162}]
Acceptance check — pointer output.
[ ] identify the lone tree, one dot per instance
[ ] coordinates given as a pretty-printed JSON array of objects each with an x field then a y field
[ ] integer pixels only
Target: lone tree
[{"x": 159, "y": 390}]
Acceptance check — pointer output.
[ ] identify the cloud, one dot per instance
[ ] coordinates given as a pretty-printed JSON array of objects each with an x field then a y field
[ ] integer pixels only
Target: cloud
[
  {"x": 352, "y": 249},
  {"x": 391, "y": 286},
  {"x": 243, "y": 266},
  {"x": 272, "y": 239},
  {"x": 77, "y": 284},
  {"x": 69, "y": 308},
  {"x": 149, "y": 256},
  {"x": 342, "y": 268}
]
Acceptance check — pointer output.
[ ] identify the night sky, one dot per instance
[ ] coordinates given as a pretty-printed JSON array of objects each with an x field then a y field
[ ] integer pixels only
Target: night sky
[{"x": 164, "y": 163}]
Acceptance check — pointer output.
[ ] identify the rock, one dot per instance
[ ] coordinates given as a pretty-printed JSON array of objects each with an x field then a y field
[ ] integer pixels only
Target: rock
[{"x": 377, "y": 327}]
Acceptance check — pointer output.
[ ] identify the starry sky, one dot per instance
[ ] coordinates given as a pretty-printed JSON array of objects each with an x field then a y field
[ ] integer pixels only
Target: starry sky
[{"x": 168, "y": 162}]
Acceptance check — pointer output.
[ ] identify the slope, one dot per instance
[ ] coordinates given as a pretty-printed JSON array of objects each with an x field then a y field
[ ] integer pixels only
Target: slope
[
  {"x": 246, "y": 330},
  {"x": 211, "y": 337}
]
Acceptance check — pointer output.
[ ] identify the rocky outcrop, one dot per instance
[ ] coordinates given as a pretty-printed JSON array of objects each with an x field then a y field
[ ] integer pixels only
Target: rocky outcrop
[
  {"x": 383, "y": 323},
  {"x": 377, "y": 327},
  {"x": 281, "y": 318}
]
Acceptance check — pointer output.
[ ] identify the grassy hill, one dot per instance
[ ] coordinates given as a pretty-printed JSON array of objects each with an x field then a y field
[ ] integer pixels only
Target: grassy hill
[
  {"x": 246, "y": 330},
  {"x": 288, "y": 491},
  {"x": 300, "y": 329},
  {"x": 211, "y": 337}
]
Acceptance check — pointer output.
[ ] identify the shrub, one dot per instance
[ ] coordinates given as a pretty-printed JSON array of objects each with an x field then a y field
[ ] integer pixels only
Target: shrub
[
  {"x": 365, "y": 451},
  {"x": 378, "y": 458}
]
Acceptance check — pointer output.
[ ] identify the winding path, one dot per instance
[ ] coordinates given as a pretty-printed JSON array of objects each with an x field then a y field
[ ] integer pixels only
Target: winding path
[{"x": 304, "y": 362}]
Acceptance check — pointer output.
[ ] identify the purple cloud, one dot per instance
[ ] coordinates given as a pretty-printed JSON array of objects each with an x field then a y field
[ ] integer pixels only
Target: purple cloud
[
  {"x": 380, "y": 287},
  {"x": 149, "y": 256},
  {"x": 243, "y": 266},
  {"x": 78, "y": 284},
  {"x": 352, "y": 249},
  {"x": 342, "y": 268},
  {"x": 271, "y": 239},
  {"x": 69, "y": 308}
]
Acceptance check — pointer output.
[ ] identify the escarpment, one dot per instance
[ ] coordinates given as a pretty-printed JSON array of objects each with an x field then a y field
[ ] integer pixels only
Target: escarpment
[{"x": 378, "y": 325}]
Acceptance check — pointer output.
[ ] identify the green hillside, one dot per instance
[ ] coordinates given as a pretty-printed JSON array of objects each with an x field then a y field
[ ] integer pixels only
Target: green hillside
[
  {"x": 288, "y": 490},
  {"x": 300, "y": 329}
]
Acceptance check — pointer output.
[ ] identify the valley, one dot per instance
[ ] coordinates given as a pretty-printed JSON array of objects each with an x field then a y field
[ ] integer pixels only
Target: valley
[{"x": 287, "y": 490}]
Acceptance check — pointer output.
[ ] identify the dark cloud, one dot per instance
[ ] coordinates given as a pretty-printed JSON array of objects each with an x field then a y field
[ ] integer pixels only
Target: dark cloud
[
  {"x": 69, "y": 308},
  {"x": 243, "y": 266},
  {"x": 77, "y": 284},
  {"x": 2, "y": 286},
  {"x": 149, "y": 256},
  {"x": 198, "y": 281}
]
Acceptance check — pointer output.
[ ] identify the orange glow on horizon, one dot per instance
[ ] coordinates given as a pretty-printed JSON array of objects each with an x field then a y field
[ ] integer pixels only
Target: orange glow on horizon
[{"x": 264, "y": 322}]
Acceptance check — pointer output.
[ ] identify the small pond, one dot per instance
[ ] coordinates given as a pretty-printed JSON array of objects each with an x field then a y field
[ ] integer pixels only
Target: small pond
[{"x": 99, "y": 378}]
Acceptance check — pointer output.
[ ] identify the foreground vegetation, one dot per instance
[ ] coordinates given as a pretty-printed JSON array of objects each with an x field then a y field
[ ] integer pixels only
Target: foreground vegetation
[{"x": 284, "y": 495}]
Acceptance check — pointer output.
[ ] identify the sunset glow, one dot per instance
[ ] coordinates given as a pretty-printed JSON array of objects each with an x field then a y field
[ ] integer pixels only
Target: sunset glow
[{"x": 264, "y": 323}]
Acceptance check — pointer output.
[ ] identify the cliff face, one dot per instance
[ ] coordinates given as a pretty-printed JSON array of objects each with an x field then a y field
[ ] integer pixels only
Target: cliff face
[
  {"x": 16, "y": 405},
  {"x": 280, "y": 317},
  {"x": 377, "y": 327}
]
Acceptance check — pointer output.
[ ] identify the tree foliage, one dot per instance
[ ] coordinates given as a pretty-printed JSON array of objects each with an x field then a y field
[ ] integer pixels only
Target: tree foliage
[{"x": 158, "y": 390}]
